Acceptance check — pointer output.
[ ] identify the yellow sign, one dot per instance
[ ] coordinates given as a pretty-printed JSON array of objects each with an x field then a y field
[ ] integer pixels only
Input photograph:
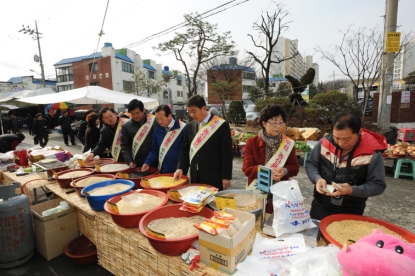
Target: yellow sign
[
  {"x": 393, "y": 42},
  {"x": 174, "y": 194},
  {"x": 223, "y": 201},
  {"x": 81, "y": 163},
  {"x": 123, "y": 175},
  {"x": 113, "y": 207},
  {"x": 97, "y": 168}
]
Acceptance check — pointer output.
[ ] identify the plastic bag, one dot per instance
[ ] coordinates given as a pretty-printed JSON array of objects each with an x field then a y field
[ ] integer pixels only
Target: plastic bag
[
  {"x": 290, "y": 214},
  {"x": 265, "y": 248}
]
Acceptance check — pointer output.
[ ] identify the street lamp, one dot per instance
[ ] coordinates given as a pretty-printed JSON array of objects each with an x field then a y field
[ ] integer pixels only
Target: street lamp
[{"x": 27, "y": 30}]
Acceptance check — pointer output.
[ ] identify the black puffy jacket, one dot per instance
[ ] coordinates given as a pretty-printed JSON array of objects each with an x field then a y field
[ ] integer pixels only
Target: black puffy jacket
[
  {"x": 105, "y": 142},
  {"x": 6, "y": 140},
  {"x": 39, "y": 128}
]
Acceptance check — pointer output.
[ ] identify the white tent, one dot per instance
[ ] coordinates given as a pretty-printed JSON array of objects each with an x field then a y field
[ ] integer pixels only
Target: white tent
[
  {"x": 28, "y": 93},
  {"x": 90, "y": 95}
]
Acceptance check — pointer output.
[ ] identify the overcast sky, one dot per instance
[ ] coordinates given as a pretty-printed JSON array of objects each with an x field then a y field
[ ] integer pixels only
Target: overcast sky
[{"x": 70, "y": 27}]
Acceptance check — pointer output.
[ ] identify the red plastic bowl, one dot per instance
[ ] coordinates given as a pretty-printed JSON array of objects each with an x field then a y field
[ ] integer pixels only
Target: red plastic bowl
[
  {"x": 132, "y": 220},
  {"x": 171, "y": 247},
  {"x": 184, "y": 186},
  {"x": 137, "y": 180},
  {"x": 66, "y": 182},
  {"x": 182, "y": 182},
  {"x": 78, "y": 189},
  {"x": 101, "y": 162},
  {"x": 113, "y": 172},
  {"x": 81, "y": 251},
  {"x": 407, "y": 235}
]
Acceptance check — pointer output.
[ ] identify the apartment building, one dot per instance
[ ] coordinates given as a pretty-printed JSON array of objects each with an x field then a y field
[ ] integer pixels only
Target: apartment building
[
  {"x": 24, "y": 83},
  {"x": 404, "y": 64}
]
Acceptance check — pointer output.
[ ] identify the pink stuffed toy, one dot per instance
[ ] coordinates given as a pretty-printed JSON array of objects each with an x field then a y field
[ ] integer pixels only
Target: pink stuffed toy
[{"x": 378, "y": 255}]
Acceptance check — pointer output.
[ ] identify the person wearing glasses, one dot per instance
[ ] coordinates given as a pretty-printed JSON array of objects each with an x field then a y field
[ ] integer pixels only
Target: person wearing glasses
[
  {"x": 270, "y": 148},
  {"x": 351, "y": 157}
]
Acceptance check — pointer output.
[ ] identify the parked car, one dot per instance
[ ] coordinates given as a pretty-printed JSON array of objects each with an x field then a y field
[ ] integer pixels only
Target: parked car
[
  {"x": 369, "y": 105},
  {"x": 251, "y": 115}
]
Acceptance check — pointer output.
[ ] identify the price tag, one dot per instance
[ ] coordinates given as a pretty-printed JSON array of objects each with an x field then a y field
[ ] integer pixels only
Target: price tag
[
  {"x": 97, "y": 168},
  {"x": 55, "y": 174},
  {"x": 155, "y": 234},
  {"x": 123, "y": 175},
  {"x": 146, "y": 182},
  {"x": 113, "y": 207},
  {"x": 174, "y": 194},
  {"x": 224, "y": 201},
  {"x": 81, "y": 163}
]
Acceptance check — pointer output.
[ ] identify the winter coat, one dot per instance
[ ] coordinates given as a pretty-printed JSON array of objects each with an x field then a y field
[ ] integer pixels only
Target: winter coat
[{"x": 6, "y": 140}]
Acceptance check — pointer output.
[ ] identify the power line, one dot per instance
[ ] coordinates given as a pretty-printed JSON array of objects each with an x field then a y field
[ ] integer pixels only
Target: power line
[
  {"x": 47, "y": 6},
  {"x": 48, "y": 17},
  {"x": 183, "y": 24}
]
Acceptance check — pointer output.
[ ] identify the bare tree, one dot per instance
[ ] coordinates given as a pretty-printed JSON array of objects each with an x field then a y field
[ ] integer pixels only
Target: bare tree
[
  {"x": 200, "y": 43},
  {"x": 358, "y": 57},
  {"x": 269, "y": 27}
]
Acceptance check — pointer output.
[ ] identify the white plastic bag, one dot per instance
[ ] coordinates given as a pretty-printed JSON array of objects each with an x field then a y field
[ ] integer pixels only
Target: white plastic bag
[
  {"x": 290, "y": 214},
  {"x": 265, "y": 248}
]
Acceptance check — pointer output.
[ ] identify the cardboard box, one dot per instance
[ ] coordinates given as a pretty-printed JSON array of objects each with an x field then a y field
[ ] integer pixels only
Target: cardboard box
[
  {"x": 294, "y": 133},
  {"x": 224, "y": 253},
  {"x": 310, "y": 134},
  {"x": 53, "y": 232}
]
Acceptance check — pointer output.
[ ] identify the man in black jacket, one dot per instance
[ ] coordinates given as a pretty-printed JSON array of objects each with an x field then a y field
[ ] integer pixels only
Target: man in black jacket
[
  {"x": 65, "y": 123},
  {"x": 212, "y": 161},
  {"x": 106, "y": 139},
  {"x": 83, "y": 126},
  {"x": 9, "y": 142},
  {"x": 139, "y": 117},
  {"x": 15, "y": 124}
]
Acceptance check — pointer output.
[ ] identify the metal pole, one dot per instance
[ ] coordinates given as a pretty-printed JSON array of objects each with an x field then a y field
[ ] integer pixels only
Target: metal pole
[
  {"x": 387, "y": 67},
  {"x": 40, "y": 57}
]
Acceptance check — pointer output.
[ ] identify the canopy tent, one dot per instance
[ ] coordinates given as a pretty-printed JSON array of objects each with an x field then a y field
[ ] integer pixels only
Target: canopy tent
[
  {"x": 91, "y": 95},
  {"x": 12, "y": 99}
]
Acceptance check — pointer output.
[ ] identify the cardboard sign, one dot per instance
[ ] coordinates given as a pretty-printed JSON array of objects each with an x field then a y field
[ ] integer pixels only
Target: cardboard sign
[{"x": 224, "y": 201}]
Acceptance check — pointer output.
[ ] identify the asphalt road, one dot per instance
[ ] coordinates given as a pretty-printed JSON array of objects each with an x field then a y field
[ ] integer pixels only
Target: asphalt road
[{"x": 395, "y": 205}]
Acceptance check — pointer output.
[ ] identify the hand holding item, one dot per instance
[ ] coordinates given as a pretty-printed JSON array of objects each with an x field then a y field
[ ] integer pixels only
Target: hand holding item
[
  {"x": 226, "y": 183},
  {"x": 277, "y": 174},
  {"x": 144, "y": 167},
  {"x": 89, "y": 157},
  {"x": 178, "y": 174},
  {"x": 131, "y": 165},
  {"x": 321, "y": 184},
  {"x": 345, "y": 189}
]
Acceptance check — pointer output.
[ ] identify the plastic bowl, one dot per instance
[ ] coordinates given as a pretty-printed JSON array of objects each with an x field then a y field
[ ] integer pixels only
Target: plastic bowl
[
  {"x": 81, "y": 251},
  {"x": 171, "y": 247},
  {"x": 65, "y": 182},
  {"x": 407, "y": 235},
  {"x": 184, "y": 186},
  {"x": 114, "y": 172},
  {"x": 97, "y": 202},
  {"x": 132, "y": 220},
  {"x": 181, "y": 182},
  {"x": 101, "y": 162},
  {"x": 256, "y": 212},
  {"x": 137, "y": 180},
  {"x": 78, "y": 189}
]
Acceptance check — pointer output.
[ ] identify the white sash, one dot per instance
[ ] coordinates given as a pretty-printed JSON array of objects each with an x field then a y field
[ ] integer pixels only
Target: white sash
[
  {"x": 168, "y": 141},
  {"x": 142, "y": 133},
  {"x": 204, "y": 134},
  {"x": 116, "y": 143},
  {"x": 278, "y": 159}
]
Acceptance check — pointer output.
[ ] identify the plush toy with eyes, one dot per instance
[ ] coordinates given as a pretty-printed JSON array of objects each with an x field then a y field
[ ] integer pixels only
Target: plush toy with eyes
[{"x": 378, "y": 255}]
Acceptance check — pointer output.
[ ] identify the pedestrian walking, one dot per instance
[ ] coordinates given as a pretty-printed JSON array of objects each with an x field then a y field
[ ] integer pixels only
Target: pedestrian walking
[
  {"x": 65, "y": 123},
  {"x": 40, "y": 132},
  {"x": 15, "y": 124}
]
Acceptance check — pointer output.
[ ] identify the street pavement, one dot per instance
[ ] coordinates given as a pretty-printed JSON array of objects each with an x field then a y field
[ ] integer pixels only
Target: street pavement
[{"x": 395, "y": 205}]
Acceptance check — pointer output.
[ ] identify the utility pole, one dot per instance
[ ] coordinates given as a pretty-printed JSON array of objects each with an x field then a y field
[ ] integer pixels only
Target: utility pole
[
  {"x": 386, "y": 76},
  {"x": 36, "y": 32}
]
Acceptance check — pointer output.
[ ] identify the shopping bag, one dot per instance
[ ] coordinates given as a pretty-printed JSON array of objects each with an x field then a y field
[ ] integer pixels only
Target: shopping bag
[{"x": 290, "y": 213}]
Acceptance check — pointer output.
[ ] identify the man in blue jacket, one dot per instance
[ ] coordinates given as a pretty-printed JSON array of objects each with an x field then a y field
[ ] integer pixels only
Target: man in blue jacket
[{"x": 167, "y": 141}]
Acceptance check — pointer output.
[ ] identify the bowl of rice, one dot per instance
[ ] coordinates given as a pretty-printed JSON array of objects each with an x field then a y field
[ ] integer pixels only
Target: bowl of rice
[
  {"x": 184, "y": 190},
  {"x": 113, "y": 168},
  {"x": 246, "y": 201},
  {"x": 82, "y": 182},
  {"x": 163, "y": 182},
  {"x": 97, "y": 193},
  {"x": 100, "y": 162},
  {"x": 170, "y": 230},
  {"x": 65, "y": 178},
  {"x": 132, "y": 206},
  {"x": 136, "y": 174},
  {"x": 340, "y": 229}
]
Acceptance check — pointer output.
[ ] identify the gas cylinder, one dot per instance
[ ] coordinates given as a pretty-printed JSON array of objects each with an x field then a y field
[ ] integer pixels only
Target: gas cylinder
[{"x": 17, "y": 242}]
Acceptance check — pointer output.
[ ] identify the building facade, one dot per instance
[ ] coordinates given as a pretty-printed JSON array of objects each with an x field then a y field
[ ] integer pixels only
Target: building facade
[
  {"x": 24, "y": 83},
  {"x": 404, "y": 64}
]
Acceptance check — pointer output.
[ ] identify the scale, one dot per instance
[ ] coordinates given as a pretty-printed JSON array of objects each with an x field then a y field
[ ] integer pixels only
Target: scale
[
  {"x": 264, "y": 184},
  {"x": 56, "y": 166}
]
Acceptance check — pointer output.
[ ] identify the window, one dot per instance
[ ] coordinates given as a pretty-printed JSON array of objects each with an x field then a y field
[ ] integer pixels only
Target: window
[
  {"x": 64, "y": 74},
  {"x": 246, "y": 88},
  {"x": 179, "y": 93},
  {"x": 151, "y": 74},
  {"x": 65, "y": 87},
  {"x": 179, "y": 82},
  {"x": 248, "y": 76},
  {"x": 128, "y": 86},
  {"x": 94, "y": 84},
  {"x": 127, "y": 67},
  {"x": 93, "y": 67}
]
